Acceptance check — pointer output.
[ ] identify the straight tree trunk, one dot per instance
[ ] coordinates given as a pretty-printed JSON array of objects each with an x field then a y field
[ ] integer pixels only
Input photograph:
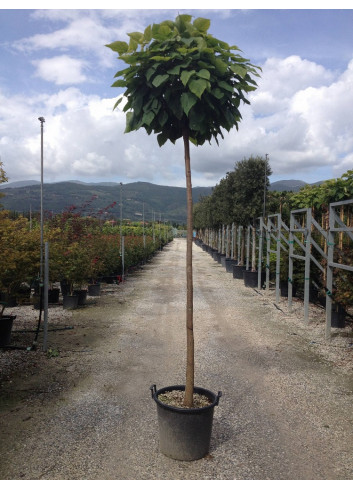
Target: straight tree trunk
[{"x": 189, "y": 385}]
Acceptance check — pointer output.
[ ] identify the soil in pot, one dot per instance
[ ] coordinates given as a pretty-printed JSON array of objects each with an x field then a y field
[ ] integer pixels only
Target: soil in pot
[{"x": 185, "y": 434}]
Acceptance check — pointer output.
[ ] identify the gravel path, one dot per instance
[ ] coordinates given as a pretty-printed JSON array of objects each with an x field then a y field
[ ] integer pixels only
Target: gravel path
[{"x": 286, "y": 410}]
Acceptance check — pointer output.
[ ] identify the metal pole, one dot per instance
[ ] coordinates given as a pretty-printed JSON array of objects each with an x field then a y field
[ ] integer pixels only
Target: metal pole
[
  {"x": 121, "y": 216},
  {"x": 42, "y": 120},
  {"x": 46, "y": 286},
  {"x": 264, "y": 207}
]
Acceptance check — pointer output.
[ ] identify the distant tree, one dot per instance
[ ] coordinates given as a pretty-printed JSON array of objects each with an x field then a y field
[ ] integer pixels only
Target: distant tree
[
  {"x": 249, "y": 186},
  {"x": 183, "y": 83},
  {"x": 3, "y": 178}
]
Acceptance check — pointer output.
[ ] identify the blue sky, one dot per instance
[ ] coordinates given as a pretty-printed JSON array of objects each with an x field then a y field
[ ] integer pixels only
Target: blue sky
[{"x": 54, "y": 64}]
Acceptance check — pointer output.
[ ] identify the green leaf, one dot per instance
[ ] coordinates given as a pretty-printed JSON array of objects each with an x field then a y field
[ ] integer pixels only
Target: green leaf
[
  {"x": 202, "y": 24},
  {"x": 148, "y": 33},
  {"x": 117, "y": 102},
  {"x": 129, "y": 118},
  {"x": 204, "y": 74},
  {"x": 225, "y": 85},
  {"x": 188, "y": 100},
  {"x": 148, "y": 118},
  {"x": 174, "y": 71},
  {"x": 159, "y": 80},
  {"x": 217, "y": 92},
  {"x": 133, "y": 45},
  {"x": 161, "y": 58},
  {"x": 198, "y": 87},
  {"x": 239, "y": 70},
  {"x": 162, "y": 118},
  {"x": 162, "y": 138},
  {"x": 136, "y": 36},
  {"x": 119, "y": 83},
  {"x": 118, "y": 46},
  {"x": 185, "y": 76}
]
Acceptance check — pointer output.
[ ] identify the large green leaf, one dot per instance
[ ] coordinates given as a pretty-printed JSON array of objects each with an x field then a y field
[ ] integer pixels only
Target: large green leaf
[
  {"x": 204, "y": 74},
  {"x": 136, "y": 36},
  {"x": 148, "y": 33},
  {"x": 225, "y": 85},
  {"x": 198, "y": 87},
  {"x": 118, "y": 46},
  {"x": 202, "y": 24},
  {"x": 188, "y": 100},
  {"x": 159, "y": 80},
  {"x": 239, "y": 70},
  {"x": 186, "y": 75},
  {"x": 148, "y": 118}
]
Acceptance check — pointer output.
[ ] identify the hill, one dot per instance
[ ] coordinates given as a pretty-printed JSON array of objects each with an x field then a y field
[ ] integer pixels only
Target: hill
[{"x": 167, "y": 202}]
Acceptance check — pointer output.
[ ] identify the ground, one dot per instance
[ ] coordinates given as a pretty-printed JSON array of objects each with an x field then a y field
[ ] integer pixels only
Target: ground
[{"x": 83, "y": 409}]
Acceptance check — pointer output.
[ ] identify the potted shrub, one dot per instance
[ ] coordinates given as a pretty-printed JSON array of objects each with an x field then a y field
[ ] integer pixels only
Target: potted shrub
[{"x": 182, "y": 82}]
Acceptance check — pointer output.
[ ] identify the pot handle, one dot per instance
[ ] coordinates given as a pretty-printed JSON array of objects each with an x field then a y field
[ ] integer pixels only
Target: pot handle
[
  {"x": 153, "y": 390},
  {"x": 218, "y": 396}
]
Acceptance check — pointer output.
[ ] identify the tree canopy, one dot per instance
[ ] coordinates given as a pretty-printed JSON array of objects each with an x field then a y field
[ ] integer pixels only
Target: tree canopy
[{"x": 180, "y": 76}]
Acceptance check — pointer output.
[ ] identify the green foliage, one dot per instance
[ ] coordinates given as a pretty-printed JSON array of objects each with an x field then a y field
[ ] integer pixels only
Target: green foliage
[
  {"x": 179, "y": 76},
  {"x": 237, "y": 198}
]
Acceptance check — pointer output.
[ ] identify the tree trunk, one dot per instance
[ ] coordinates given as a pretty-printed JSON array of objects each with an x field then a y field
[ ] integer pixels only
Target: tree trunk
[{"x": 189, "y": 385}]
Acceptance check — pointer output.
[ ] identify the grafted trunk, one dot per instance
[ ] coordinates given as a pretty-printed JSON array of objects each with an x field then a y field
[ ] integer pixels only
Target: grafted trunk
[{"x": 189, "y": 385}]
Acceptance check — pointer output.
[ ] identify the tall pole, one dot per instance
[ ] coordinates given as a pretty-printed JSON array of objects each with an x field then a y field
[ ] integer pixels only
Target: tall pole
[
  {"x": 121, "y": 217},
  {"x": 42, "y": 120},
  {"x": 265, "y": 181}
]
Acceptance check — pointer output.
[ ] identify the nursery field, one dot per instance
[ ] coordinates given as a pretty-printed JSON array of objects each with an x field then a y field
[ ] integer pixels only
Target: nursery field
[{"x": 83, "y": 410}]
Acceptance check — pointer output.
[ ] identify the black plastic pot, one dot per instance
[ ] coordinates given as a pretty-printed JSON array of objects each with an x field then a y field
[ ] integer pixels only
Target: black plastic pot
[
  {"x": 94, "y": 289},
  {"x": 284, "y": 289},
  {"x": 238, "y": 271},
  {"x": 5, "y": 329},
  {"x": 219, "y": 257},
  {"x": 251, "y": 279},
  {"x": 82, "y": 296},
  {"x": 185, "y": 434},
  {"x": 215, "y": 255},
  {"x": 223, "y": 260},
  {"x": 70, "y": 301},
  {"x": 53, "y": 296},
  {"x": 338, "y": 316},
  {"x": 229, "y": 265}
]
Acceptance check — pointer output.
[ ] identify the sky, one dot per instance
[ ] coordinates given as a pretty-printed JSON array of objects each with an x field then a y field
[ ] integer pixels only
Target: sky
[{"x": 54, "y": 64}]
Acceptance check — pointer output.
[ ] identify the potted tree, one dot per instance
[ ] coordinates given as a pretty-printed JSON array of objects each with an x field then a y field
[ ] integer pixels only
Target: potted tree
[{"x": 182, "y": 82}]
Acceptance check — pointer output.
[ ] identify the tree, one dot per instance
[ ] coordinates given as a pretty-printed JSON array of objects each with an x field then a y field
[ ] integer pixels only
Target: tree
[
  {"x": 249, "y": 185},
  {"x": 3, "y": 177},
  {"x": 183, "y": 83}
]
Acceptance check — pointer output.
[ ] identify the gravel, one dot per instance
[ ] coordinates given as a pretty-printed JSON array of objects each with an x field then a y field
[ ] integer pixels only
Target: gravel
[{"x": 83, "y": 410}]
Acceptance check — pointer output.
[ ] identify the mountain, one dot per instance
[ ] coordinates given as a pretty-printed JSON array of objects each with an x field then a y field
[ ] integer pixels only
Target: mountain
[
  {"x": 167, "y": 203},
  {"x": 288, "y": 185},
  {"x": 104, "y": 197}
]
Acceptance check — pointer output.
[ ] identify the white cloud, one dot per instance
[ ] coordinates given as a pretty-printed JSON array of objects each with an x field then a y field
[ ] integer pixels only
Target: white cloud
[
  {"x": 300, "y": 115},
  {"x": 61, "y": 70}
]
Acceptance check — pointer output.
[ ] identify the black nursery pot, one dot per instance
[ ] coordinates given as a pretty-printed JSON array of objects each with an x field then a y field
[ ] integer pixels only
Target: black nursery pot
[
  {"x": 238, "y": 271},
  {"x": 185, "y": 434},
  {"x": 5, "y": 329},
  {"x": 251, "y": 279}
]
